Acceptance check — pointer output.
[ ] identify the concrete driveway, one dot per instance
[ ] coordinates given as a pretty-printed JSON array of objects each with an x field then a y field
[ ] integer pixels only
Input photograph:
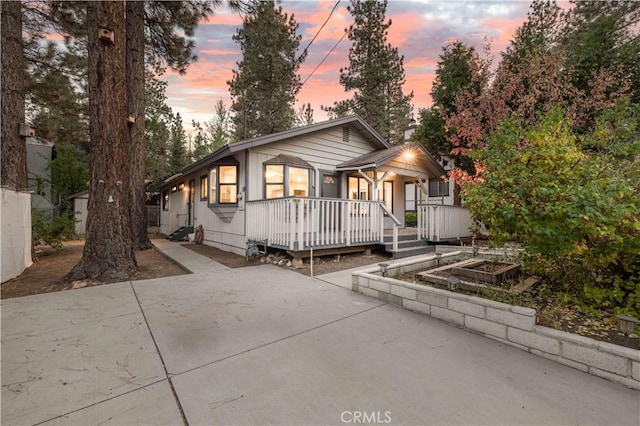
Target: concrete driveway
[{"x": 264, "y": 345}]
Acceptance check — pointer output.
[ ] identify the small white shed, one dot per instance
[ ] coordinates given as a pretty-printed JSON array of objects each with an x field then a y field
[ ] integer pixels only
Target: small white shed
[{"x": 80, "y": 208}]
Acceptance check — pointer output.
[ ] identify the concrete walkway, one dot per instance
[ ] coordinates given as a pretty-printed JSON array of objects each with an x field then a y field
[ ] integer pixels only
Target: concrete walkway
[{"x": 264, "y": 345}]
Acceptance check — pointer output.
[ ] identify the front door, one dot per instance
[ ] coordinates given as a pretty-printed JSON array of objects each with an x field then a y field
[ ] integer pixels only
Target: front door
[{"x": 330, "y": 185}]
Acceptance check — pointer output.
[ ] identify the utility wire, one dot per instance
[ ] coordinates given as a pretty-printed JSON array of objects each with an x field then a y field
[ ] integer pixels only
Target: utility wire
[
  {"x": 306, "y": 49},
  {"x": 325, "y": 57}
]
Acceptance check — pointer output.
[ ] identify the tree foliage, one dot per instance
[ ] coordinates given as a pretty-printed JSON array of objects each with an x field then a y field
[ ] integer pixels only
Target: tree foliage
[
  {"x": 265, "y": 82},
  {"x": 69, "y": 172},
  {"x": 572, "y": 200},
  {"x": 178, "y": 152},
  {"x": 211, "y": 135},
  {"x": 375, "y": 73},
  {"x": 460, "y": 70}
]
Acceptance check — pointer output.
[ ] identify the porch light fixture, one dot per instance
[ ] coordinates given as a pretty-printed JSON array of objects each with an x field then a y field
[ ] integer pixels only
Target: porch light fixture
[
  {"x": 181, "y": 186},
  {"x": 626, "y": 325},
  {"x": 409, "y": 155}
]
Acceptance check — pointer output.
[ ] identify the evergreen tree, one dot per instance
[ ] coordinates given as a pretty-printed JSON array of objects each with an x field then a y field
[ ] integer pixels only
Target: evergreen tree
[
  {"x": 69, "y": 172},
  {"x": 265, "y": 83},
  {"x": 14, "y": 151},
  {"x": 108, "y": 254},
  {"x": 178, "y": 152},
  {"x": 305, "y": 115},
  {"x": 158, "y": 118},
  {"x": 603, "y": 36},
  {"x": 375, "y": 73},
  {"x": 459, "y": 70},
  {"x": 213, "y": 135}
]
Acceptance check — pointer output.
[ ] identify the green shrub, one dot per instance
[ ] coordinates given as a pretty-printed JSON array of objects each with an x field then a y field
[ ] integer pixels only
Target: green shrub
[
  {"x": 411, "y": 219},
  {"x": 571, "y": 200},
  {"x": 51, "y": 232}
]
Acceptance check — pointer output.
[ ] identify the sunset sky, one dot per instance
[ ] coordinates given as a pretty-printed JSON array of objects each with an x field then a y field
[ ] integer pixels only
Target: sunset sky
[{"x": 419, "y": 30}]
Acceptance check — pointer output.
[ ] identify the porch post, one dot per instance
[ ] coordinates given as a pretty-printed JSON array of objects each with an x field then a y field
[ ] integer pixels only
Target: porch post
[
  {"x": 347, "y": 222},
  {"x": 300, "y": 207},
  {"x": 419, "y": 219},
  {"x": 292, "y": 224}
]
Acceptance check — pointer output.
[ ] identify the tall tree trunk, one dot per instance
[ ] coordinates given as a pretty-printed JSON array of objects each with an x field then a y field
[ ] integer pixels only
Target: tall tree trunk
[
  {"x": 14, "y": 150},
  {"x": 136, "y": 101},
  {"x": 108, "y": 251}
]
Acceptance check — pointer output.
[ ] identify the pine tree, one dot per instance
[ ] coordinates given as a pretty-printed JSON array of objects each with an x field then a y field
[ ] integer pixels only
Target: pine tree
[
  {"x": 265, "y": 84},
  {"x": 459, "y": 70},
  {"x": 375, "y": 73},
  {"x": 178, "y": 152},
  {"x": 14, "y": 151},
  {"x": 108, "y": 253},
  {"x": 603, "y": 36},
  {"x": 158, "y": 117}
]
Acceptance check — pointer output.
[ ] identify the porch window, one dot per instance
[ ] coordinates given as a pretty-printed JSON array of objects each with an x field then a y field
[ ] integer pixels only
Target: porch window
[
  {"x": 385, "y": 194},
  {"x": 438, "y": 188},
  {"x": 358, "y": 188},
  {"x": 223, "y": 185},
  {"x": 165, "y": 200},
  {"x": 284, "y": 180},
  {"x": 410, "y": 197},
  {"x": 204, "y": 190}
]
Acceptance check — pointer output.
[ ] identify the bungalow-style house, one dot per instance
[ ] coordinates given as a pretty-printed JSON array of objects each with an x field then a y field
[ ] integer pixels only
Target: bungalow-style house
[{"x": 332, "y": 184}]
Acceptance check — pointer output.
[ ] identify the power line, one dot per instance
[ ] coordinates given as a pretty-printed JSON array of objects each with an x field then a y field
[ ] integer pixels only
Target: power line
[
  {"x": 306, "y": 49},
  {"x": 325, "y": 57}
]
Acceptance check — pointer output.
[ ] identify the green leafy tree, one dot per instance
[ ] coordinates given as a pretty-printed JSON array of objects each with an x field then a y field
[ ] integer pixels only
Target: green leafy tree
[
  {"x": 571, "y": 200},
  {"x": 265, "y": 83},
  {"x": 69, "y": 172},
  {"x": 375, "y": 73}
]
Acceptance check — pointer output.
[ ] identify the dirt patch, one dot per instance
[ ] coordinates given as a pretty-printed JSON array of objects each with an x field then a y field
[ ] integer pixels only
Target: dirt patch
[
  {"x": 228, "y": 259},
  {"x": 328, "y": 264},
  {"x": 321, "y": 265},
  {"x": 51, "y": 266}
]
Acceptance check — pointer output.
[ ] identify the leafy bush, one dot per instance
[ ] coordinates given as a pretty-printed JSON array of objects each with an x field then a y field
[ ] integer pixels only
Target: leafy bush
[
  {"x": 411, "y": 219},
  {"x": 51, "y": 232},
  {"x": 572, "y": 201}
]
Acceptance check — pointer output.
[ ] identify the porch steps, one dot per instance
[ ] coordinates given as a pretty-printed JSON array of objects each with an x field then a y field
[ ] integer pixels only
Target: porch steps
[
  {"x": 181, "y": 233},
  {"x": 408, "y": 245}
]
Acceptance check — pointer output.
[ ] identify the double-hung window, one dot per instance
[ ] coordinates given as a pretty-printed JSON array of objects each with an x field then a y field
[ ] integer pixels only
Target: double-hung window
[
  {"x": 438, "y": 188},
  {"x": 223, "y": 185}
]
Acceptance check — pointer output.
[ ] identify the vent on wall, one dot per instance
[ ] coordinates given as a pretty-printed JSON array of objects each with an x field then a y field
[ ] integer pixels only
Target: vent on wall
[{"x": 345, "y": 134}]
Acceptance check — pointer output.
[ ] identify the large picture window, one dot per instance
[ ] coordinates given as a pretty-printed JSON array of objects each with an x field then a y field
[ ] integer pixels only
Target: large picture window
[
  {"x": 223, "y": 185},
  {"x": 283, "y": 180}
]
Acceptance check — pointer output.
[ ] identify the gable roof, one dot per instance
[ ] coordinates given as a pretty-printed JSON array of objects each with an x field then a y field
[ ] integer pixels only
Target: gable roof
[
  {"x": 353, "y": 120},
  {"x": 383, "y": 156}
]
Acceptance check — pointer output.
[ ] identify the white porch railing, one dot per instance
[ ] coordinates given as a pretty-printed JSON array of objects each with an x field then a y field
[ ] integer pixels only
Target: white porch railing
[
  {"x": 301, "y": 223},
  {"x": 441, "y": 223}
]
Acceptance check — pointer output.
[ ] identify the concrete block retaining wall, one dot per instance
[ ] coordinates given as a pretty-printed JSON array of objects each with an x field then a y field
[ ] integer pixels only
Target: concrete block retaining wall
[{"x": 511, "y": 325}]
